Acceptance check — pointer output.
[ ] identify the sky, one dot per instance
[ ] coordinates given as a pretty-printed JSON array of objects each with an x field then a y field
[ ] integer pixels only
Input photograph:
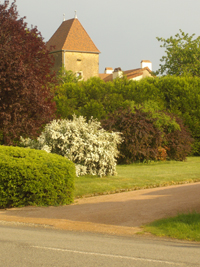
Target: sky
[{"x": 124, "y": 31}]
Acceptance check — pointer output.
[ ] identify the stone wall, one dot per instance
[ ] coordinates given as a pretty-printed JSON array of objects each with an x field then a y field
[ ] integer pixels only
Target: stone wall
[{"x": 86, "y": 63}]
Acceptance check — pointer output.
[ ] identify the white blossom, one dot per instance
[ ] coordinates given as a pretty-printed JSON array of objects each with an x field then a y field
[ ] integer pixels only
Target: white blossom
[{"x": 88, "y": 145}]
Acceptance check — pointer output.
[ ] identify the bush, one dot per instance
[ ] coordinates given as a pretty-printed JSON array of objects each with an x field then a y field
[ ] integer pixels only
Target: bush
[
  {"x": 94, "y": 97},
  {"x": 90, "y": 147},
  {"x": 176, "y": 138},
  {"x": 141, "y": 137},
  {"x": 178, "y": 95},
  {"x": 31, "y": 177},
  {"x": 149, "y": 135},
  {"x": 178, "y": 142}
]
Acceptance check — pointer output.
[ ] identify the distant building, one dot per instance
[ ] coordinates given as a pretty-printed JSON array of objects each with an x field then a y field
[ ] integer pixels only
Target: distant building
[
  {"x": 134, "y": 74},
  {"x": 74, "y": 49}
]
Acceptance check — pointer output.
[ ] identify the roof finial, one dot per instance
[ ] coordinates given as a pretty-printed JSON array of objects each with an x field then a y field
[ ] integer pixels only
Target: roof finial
[
  {"x": 63, "y": 17},
  {"x": 75, "y": 15}
]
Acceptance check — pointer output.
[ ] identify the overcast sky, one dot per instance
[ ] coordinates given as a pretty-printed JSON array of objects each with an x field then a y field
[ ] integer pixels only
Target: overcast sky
[{"x": 124, "y": 31}]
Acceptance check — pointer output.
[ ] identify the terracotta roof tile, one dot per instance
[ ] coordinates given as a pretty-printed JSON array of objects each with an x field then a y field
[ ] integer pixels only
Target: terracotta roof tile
[
  {"x": 106, "y": 77},
  {"x": 136, "y": 71},
  {"x": 128, "y": 73},
  {"x": 71, "y": 36}
]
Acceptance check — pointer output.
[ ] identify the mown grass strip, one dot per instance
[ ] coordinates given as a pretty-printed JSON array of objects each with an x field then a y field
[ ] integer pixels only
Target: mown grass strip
[
  {"x": 183, "y": 226},
  {"x": 139, "y": 176}
]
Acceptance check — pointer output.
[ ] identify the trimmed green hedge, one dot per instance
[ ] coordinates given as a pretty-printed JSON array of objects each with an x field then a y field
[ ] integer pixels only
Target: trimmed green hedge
[
  {"x": 34, "y": 177},
  {"x": 96, "y": 98}
]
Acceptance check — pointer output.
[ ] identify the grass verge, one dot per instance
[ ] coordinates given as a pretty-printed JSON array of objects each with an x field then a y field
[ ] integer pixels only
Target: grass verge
[
  {"x": 183, "y": 226},
  {"x": 139, "y": 176}
]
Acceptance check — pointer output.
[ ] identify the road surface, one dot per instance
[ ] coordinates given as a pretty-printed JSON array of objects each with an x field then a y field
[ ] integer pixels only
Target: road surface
[{"x": 23, "y": 246}]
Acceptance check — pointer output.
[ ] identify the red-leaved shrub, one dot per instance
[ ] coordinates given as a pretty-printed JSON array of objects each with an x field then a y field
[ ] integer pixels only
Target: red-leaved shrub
[
  {"x": 178, "y": 142},
  {"x": 141, "y": 137},
  {"x": 144, "y": 141}
]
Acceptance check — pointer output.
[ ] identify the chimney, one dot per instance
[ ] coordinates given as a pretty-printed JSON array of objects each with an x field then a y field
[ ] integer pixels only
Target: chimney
[
  {"x": 118, "y": 73},
  {"x": 108, "y": 70},
  {"x": 146, "y": 63}
]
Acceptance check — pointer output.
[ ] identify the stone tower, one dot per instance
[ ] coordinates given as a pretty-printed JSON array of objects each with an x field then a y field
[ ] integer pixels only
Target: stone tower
[{"x": 73, "y": 48}]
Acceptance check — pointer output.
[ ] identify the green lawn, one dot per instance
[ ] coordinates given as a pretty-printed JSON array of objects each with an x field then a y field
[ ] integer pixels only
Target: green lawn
[
  {"x": 183, "y": 226},
  {"x": 140, "y": 175}
]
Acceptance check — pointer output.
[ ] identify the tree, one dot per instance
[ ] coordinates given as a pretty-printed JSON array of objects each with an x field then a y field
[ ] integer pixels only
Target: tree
[
  {"x": 182, "y": 55},
  {"x": 25, "y": 74}
]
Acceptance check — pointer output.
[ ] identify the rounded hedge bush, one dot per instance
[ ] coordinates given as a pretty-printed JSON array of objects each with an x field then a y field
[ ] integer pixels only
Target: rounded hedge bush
[{"x": 34, "y": 177}]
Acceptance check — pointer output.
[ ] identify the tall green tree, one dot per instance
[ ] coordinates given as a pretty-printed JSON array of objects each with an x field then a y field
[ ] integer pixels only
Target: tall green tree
[{"x": 182, "y": 55}]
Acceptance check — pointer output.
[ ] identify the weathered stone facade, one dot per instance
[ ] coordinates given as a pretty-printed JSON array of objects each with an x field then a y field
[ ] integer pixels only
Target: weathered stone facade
[
  {"x": 72, "y": 48},
  {"x": 85, "y": 63}
]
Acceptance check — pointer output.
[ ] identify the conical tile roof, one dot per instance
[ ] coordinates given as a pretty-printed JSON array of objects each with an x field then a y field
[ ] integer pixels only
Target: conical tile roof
[{"x": 71, "y": 36}]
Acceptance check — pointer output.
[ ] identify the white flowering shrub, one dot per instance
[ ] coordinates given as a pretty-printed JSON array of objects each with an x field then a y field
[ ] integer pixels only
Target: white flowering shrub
[{"x": 88, "y": 145}]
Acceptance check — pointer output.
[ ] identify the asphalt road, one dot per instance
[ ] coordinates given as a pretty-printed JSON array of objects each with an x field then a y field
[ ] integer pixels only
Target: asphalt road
[{"x": 23, "y": 246}]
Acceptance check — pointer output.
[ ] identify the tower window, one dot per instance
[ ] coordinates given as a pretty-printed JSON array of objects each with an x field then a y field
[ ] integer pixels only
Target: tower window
[{"x": 79, "y": 74}]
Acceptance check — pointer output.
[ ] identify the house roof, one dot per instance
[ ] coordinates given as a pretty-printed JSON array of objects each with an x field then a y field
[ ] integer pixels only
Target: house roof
[
  {"x": 130, "y": 74},
  {"x": 106, "y": 77},
  {"x": 133, "y": 73},
  {"x": 71, "y": 36}
]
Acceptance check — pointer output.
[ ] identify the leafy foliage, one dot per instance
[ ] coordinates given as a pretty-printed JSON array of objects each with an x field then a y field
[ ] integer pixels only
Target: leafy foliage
[
  {"x": 178, "y": 142},
  {"x": 163, "y": 120},
  {"x": 182, "y": 55},
  {"x": 149, "y": 135},
  {"x": 90, "y": 147},
  {"x": 32, "y": 177},
  {"x": 92, "y": 98},
  {"x": 176, "y": 95},
  {"x": 66, "y": 76},
  {"x": 25, "y": 73},
  {"x": 141, "y": 137},
  {"x": 176, "y": 138}
]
